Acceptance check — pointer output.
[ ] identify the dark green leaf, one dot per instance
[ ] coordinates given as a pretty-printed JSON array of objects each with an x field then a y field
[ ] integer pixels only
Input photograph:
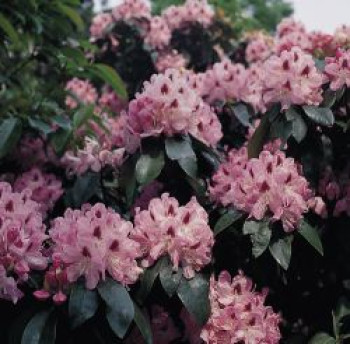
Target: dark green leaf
[
  {"x": 170, "y": 280},
  {"x": 257, "y": 141},
  {"x": 226, "y": 220},
  {"x": 8, "y": 28},
  {"x": 281, "y": 250},
  {"x": 329, "y": 98},
  {"x": 72, "y": 14},
  {"x": 179, "y": 148},
  {"x": 60, "y": 139},
  {"x": 322, "y": 338},
  {"x": 310, "y": 234},
  {"x": 323, "y": 116},
  {"x": 189, "y": 165},
  {"x": 120, "y": 308},
  {"x": 194, "y": 294},
  {"x": 82, "y": 115},
  {"x": 40, "y": 125},
  {"x": 83, "y": 304},
  {"x": 343, "y": 308},
  {"x": 143, "y": 324},
  {"x": 149, "y": 166},
  {"x": 111, "y": 77},
  {"x": 10, "y": 133},
  {"x": 242, "y": 113},
  {"x": 41, "y": 329},
  {"x": 299, "y": 128},
  {"x": 62, "y": 122},
  {"x": 260, "y": 235}
]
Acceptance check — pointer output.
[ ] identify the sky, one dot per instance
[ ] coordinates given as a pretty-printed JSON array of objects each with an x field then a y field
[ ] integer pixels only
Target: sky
[{"x": 324, "y": 15}]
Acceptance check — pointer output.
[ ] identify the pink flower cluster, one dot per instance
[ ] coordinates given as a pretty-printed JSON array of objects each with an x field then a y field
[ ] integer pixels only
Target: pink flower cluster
[
  {"x": 93, "y": 241},
  {"x": 158, "y": 36},
  {"x": 238, "y": 313},
  {"x": 288, "y": 26},
  {"x": 45, "y": 188},
  {"x": 168, "y": 105},
  {"x": 342, "y": 36},
  {"x": 270, "y": 186},
  {"x": 337, "y": 70},
  {"x": 109, "y": 100},
  {"x": 182, "y": 232},
  {"x": 259, "y": 49},
  {"x": 132, "y": 9},
  {"x": 172, "y": 59},
  {"x": 99, "y": 24},
  {"x": 192, "y": 11},
  {"x": 82, "y": 90},
  {"x": 22, "y": 234},
  {"x": 150, "y": 191}
]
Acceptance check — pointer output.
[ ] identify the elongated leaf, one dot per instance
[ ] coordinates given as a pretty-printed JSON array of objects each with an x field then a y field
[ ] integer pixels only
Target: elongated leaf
[
  {"x": 120, "y": 308},
  {"x": 82, "y": 115},
  {"x": 257, "y": 141},
  {"x": 111, "y": 77},
  {"x": 226, "y": 220},
  {"x": 149, "y": 166},
  {"x": 8, "y": 28},
  {"x": 310, "y": 234},
  {"x": 323, "y": 116},
  {"x": 189, "y": 166},
  {"x": 281, "y": 250},
  {"x": 343, "y": 308},
  {"x": 143, "y": 324},
  {"x": 322, "y": 338},
  {"x": 72, "y": 14},
  {"x": 241, "y": 112},
  {"x": 179, "y": 148},
  {"x": 41, "y": 329},
  {"x": 194, "y": 294},
  {"x": 83, "y": 304},
  {"x": 60, "y": 139},
  {"x": 40, "y": 125},
  {"x": 10, "y": 133},
  {"x": 260, "y": 235},
  {"x": 169, "y": 279}
]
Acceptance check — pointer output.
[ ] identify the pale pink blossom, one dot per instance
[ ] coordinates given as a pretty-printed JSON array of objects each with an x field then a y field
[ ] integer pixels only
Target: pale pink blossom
[
  {"x": 322, "y": 44},
  {"x": 172, "y": 59},
  {"x": 292, "y": 79},
  {"x": 294, "y": 39},
  {"x": 132, "y": 9},
  {"x": 182, "y": 232},
  {"x": 342, "y": 36},
  {"x": 238, "y": 313},
  {"x": 83, "y": 92},
  {"x": 270, "y": 186},
  {"x": 22, "y": 234},
  {"x": 94, "y": 241},
  {"x": 111, "y": 101},
  {"x": 337, "y": 70},
  {"x": 288, "y": 26},
  {"x": 99, "y": 24},
  {"x": 259, "y": 49},
  {"x": 158, "y": 35}
]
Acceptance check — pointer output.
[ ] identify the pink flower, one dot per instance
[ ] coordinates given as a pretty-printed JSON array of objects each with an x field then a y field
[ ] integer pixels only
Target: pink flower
[
  {"x": 82, "y": 90},
  {"x": 288, "y": 26},
  {"x": 322, "y": 44},
  {"x": 271, "y": 186},
  {"x": 111, "y": 101},
  {"x": 99, "y": 24},
  {"x": 292, "y": 78},
  {"x": 172, "y": 59},
  {"x": 45, "y": 188},
  {"x": 337, "y": 70},
  {"x": 224, "y": 81},
  {"x": 342, "y": 36},
  {"x": 93, "y": 241},
  {"x": 22, "y": 234},
  {"x": 182, "y": 232},
  {"x": 238, "y": 313},
  {"x": 169, "y": 105},
  {"x": 132, "y": 9},
  {"x": 259, "y": 49},
  {"x": 294, "y": 39},
  {"x": 159, "y": 34}
]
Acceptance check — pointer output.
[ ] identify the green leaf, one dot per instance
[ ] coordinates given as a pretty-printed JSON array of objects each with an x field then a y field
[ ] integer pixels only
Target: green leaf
[
  {"x": 72, "y": 14},
  {"x": 260, "y": 236},
  {"x": 322, "y": 338},
  {"x": 111, "y": 77},
  {"x": 143, "y": 324},
  {"x": 329, "y": 98},
  {"x": 194, "y": 294},
  {"x": 226, "y": 220},
  {"x": 179, "y": 148},
  {"x": 62, "y": 122},
  {"x": 323, "y": 116},
  {"x": 257, "y": 141},
  {"x": 281, "y": 250},
  {"x": 83, "y": 304},
  {"x": 299, "y": 128},
  {"x": 343, "y": 308},
  {"x": 148, "y": 278},
  {"x": 170, "y": 279},
  {"x": 189, "y": 165},
  {"x": 310, "y": 234},
  {"x": 149, "y": 166},
  {"x": 10, "y": 133},
  {"x": 41, "y": 329},
  {"x": 241, "y": 112},
  {"x": 60, "y": 139},
  {"x": 120, "y": 308},
  {"x": 8, "y": 28},
  {"x": 40, "y": 125},
  {"x": 82, "y": 115}
]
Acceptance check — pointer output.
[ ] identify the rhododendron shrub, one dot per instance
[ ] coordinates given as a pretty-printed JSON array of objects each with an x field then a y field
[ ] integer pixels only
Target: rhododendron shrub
[{"x": 177, "y": 182}]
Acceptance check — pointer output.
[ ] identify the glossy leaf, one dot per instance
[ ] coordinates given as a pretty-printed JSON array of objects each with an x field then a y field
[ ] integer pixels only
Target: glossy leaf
[
  {"x": 323, "y": 116},
  {"x": 310, "y": 234},
  {"x": 10, "y": 133},
  {"x": 281, "y": 250},
  {"x": 8, "y": 28},
  {"x": 189, "y": 166},
  {"x": 260, "y": 236},
  {"x": 322, "y": 338},
  {"x": 241, "y": 112},
  {"x": 179, "y": 148},
  {"x": 226, "y": 220},
  {"x": 72, "y": 14},
  {"x": 143, "y": 325},
  {"x": 170, "y": 279},
  {"x": 82, "y": 115},
  {"x": 149, "y": 166},
  {"x": 40, "y": 125},
  {"x": 257, "y": 141}
]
